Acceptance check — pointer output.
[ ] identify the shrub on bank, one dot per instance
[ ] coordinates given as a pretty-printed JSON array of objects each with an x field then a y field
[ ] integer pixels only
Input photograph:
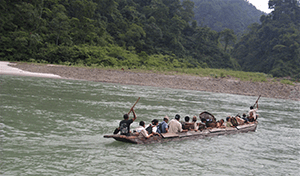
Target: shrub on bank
[
  {"x": 115, "y": 57},
  {"x": 106, "y": 56}
]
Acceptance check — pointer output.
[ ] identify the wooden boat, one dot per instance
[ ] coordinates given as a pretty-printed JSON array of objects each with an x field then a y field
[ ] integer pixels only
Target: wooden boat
[{"x": 166, "y": 137}]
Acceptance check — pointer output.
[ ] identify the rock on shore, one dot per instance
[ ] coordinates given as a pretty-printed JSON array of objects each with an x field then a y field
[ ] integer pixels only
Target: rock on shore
[{"x": 219, "y": 85}]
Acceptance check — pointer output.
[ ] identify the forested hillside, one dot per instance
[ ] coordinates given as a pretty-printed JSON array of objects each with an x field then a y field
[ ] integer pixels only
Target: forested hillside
[
  {"x": 274, "y": 45},
  {"x": 133, "y": 33},
  {"x": 152, "y": 34},
  {"x": 220, "y": 14}
]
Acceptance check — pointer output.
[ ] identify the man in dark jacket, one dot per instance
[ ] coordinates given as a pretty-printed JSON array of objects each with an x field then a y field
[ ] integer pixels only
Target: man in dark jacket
[{"x": 124, "y": 125}]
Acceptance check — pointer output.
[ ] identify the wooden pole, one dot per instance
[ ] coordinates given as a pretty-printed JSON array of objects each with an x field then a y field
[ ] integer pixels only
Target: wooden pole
[
  {"x": 256, "y": 101},
  {"x": 133, "y": 105}
]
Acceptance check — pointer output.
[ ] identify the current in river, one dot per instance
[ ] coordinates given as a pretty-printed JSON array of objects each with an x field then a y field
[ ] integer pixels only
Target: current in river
[{"x": 56, "y": 127}]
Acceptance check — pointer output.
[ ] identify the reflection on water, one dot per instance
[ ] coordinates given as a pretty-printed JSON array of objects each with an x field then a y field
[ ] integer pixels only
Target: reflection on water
[{"x": 56, "y": 127}]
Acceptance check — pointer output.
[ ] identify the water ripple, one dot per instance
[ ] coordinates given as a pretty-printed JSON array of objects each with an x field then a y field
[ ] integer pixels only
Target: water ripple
[{"x": 56, "y": 127}]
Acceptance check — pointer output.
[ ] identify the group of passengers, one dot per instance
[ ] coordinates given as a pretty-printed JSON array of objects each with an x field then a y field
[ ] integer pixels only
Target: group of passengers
[{"x": 175, "y": 125}]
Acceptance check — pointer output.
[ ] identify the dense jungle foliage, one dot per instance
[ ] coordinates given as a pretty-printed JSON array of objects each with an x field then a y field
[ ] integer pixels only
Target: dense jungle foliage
[
  {"x": 221, "y": 14},
  {"x": 274, "y": 45},
  {"x": 129, "y": 33},
  {"x": 148, "y": 34}
]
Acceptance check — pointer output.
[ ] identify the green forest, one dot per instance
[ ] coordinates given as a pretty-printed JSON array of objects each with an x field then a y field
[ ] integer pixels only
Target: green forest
[
  {"x": 273, "y": 46},
  {"x": 149, "y": 34}
]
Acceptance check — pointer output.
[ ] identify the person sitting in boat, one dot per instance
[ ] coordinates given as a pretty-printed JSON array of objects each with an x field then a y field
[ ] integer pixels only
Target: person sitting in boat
[
  {"x": 202, "y": 124},
  {"x": 124, "y": 125},
  {"x": 211, "y": 123},
  {"x": 240, "y": 120},
  {"x": 245, "y": 118},
  {"x": 220, "y": 124},
  {"x": 252, "y": 114},
  {"x": 186, "y": 125},
  {"x": 152, "y": 127},
  {"x": 163, "y": 126},
  {"x": 234, "y": 121},
  {"x": 190, "y": 125},
  {"x": 175, "y": 126},
  {"x": 195, "y": 124},
  {"x": 228, "y": 122},
  {"x": 208, "y": 124},
  {"x": 142, "y": 131}
]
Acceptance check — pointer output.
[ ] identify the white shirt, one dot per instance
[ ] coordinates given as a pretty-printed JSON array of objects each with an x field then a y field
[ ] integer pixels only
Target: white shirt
[
  {"x": 175, "y": 126},
  {"x": 254, "y": 112},
  {"x": 142, "y": 131},
  {"x": 154, "y": 128}
]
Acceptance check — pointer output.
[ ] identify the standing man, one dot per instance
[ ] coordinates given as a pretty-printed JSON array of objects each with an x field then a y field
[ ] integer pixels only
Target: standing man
[
  {"x": 163, "y": 126},
  {"x": 252, "y": 113},
  {"x": 175, "y": 126},
  {"x": 125, "y": 124}
]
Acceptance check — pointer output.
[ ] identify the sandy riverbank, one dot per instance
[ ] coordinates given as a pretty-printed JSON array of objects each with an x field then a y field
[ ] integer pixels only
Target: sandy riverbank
[
  {"x": 5, "y": 69},
  {"x": 219, "y": 85}
]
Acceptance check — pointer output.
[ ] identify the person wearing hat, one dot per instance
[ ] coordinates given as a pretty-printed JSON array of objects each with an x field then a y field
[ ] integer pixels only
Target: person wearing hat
[
  {"x": 175, "y": 126},
  {"x": 163, "y": 126}
]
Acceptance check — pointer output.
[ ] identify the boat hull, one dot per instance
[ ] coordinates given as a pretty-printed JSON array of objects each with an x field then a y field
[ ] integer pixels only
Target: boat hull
[{"x": 190, "y": 135}]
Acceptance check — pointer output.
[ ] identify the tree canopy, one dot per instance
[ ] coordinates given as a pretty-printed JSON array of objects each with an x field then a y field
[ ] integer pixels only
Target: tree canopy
[
  {"x": 274, "y": 45},
  {"x": 153, "y": 33},
  {"x": 67, "y": 31}
]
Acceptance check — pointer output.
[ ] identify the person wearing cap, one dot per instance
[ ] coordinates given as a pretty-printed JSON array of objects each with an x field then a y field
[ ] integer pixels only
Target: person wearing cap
[
  {"x": 163, "y": 126},
  {"x": 175, "y": 126}
]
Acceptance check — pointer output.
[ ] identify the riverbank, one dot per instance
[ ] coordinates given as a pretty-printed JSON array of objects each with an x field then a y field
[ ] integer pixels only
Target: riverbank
[{"x": 188, "y": 82}]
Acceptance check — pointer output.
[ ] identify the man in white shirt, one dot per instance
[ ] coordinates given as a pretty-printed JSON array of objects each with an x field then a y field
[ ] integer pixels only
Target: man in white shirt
[
  {"x": 175, "y": 126},
  {"x": 142, "y": 131},
  {"x": 252, "y": 112}
]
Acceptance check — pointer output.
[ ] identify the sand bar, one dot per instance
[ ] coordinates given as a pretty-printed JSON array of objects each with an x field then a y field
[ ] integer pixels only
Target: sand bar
[{"x": 5, "y": 69}]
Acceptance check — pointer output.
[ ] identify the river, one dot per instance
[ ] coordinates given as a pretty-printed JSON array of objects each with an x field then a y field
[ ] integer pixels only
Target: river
[{"x": 56, "y": 127}]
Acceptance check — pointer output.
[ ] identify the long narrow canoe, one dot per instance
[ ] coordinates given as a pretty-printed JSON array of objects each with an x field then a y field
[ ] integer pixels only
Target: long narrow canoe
[{"x": 166, "y": 137}]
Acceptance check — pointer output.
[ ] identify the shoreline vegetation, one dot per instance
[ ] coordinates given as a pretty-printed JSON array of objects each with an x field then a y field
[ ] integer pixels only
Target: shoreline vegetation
[{"x": 210, "y": 80}]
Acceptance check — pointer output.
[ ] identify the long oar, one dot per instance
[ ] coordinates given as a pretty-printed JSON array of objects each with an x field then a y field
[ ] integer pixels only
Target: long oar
[
  {"x": 133, "y": 105},
  {"x": 256, "y": 101}
]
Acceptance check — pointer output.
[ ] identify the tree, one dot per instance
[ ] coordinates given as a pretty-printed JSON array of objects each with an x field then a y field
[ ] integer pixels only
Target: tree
[
  {"x": 221, "y": 14},
  {"x": 64, "y": 31},
  {"x": 273, "y": 46},
  {"x": 227, "y": 36},
  {"x": 60, "y": 23},
  {"x": 187, "y": 12}
]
